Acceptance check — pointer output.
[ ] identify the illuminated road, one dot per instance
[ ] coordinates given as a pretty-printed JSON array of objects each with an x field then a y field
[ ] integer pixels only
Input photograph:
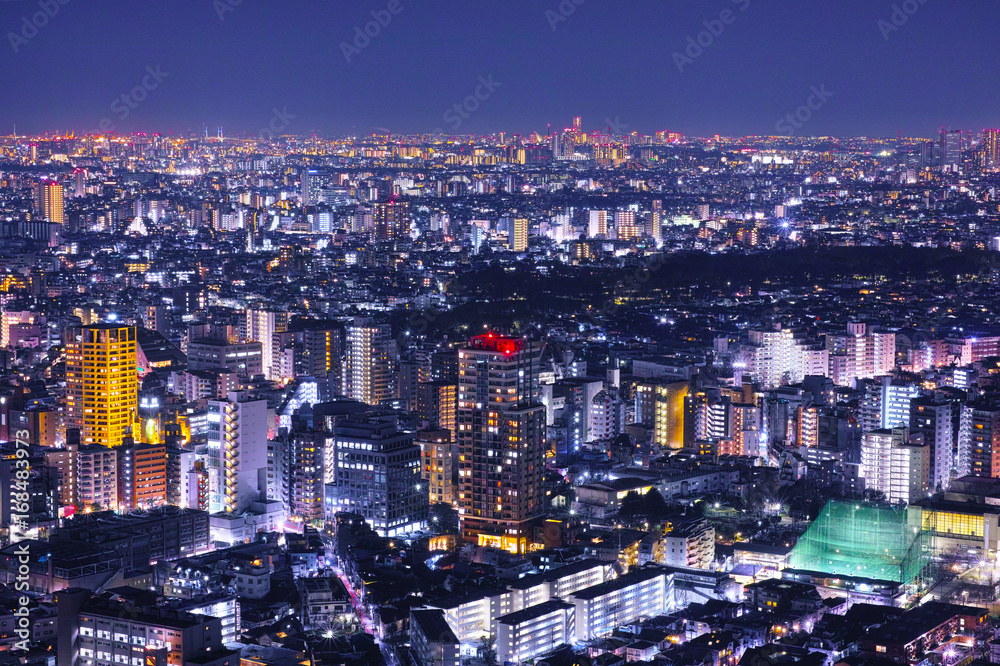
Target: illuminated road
[{"x": 359, "y": 608}]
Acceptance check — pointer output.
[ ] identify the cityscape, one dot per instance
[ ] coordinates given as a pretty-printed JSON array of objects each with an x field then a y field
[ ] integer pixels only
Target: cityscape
[{"x": 293, "y": 388}]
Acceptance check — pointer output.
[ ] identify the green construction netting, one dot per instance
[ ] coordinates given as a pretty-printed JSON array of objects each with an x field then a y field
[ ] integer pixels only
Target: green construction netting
[{"x": 863, "y": 539}]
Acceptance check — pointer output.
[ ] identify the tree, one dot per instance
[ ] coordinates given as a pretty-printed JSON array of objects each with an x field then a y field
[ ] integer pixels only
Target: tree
[
  {"x": 655, "y": 506},
  {"x": 488, "y": 649},
  {"x": 633, "y": 508}
]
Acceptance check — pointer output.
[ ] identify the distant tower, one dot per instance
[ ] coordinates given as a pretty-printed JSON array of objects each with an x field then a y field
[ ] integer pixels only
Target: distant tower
[
  {"x": 392, "y": 220},
  {"x": 49, "y": 201},
  {"x": 519, "y": 235},
  {"x": 991, "y": 148},
  {"x": 80, "y": 182},
  {"x": 577, "y": 123},
  {"x": 951, "y": 150}
]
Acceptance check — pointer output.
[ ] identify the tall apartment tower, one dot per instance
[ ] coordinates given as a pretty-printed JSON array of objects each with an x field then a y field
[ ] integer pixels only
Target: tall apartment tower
[
  {"x": 102, "y": 382},
  {"x": 261, "y": 327},
  {"x": 392, "y": 220},
  {"x": 896, "y": 464},
  {"x": 368, "y": 362},
  {"x": 501, "y": 440},
  {"x": 933, "y": 419},
  {"x": 49, "y": 201},
  {"x": 237, "y": 451},
  {"x": 519, "y": 235}
]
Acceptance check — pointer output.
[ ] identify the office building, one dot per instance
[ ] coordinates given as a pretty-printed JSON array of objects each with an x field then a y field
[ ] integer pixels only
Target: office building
[
  {"x": 245, "y": 359},
  {"x": 373, "y": 470}
]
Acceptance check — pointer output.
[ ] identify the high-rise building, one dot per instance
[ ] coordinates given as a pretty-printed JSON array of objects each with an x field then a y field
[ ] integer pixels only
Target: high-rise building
[
  {"x": 991, "y": 148},
  {"x": 519, "y": 235},
  {"x": 980, "y": 435},
  {"x": 305, "y": 475},
  {"x": 261, "y": 327},
  {"x": 951, "y": 150},
  {"x": 49, "y": 201},
  {"x": 436, "y": 404},
  {"x": 237, "y": 451},
  {"x": 392, "y": 220},
  {"x": 895, "y": 464},
  {"x": 501, "y": 440},
  {"x": 778, "y": 357},
  {"x": 597, "y": 225},
  {"x": 654, "y": 222},
  {"x": 625, "y": 223},
  {"x": 368, "y": 361},
  {"x": 660, "y": 405},
  {"x": 886, "y": 403},
  {"x": 321, "y": 349},
  {"x": 859, "y": 354},
  {"x": 102, "y": 383},
  {"x": 933, "y": 419},
  {"x": 374, "y": 471},
  {"x": 142, "y": 476},
  {"x": 437, "y": 464},
  {"x": 97, "y": 477}
]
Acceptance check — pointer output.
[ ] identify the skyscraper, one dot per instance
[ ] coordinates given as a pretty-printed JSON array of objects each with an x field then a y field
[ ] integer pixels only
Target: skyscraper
[
  {"x": 501, "y": 440},
  {"x": 49, "y": 201},
  {"x": 102, "y": 384},
  {"x": 991, "y": 148},
  {"x": 951, "y": 150},
  {"x": 368, "y": 362}
]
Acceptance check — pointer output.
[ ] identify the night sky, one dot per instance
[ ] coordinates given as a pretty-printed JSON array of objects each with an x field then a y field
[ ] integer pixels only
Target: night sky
[{"x": 612, "y": 62}]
